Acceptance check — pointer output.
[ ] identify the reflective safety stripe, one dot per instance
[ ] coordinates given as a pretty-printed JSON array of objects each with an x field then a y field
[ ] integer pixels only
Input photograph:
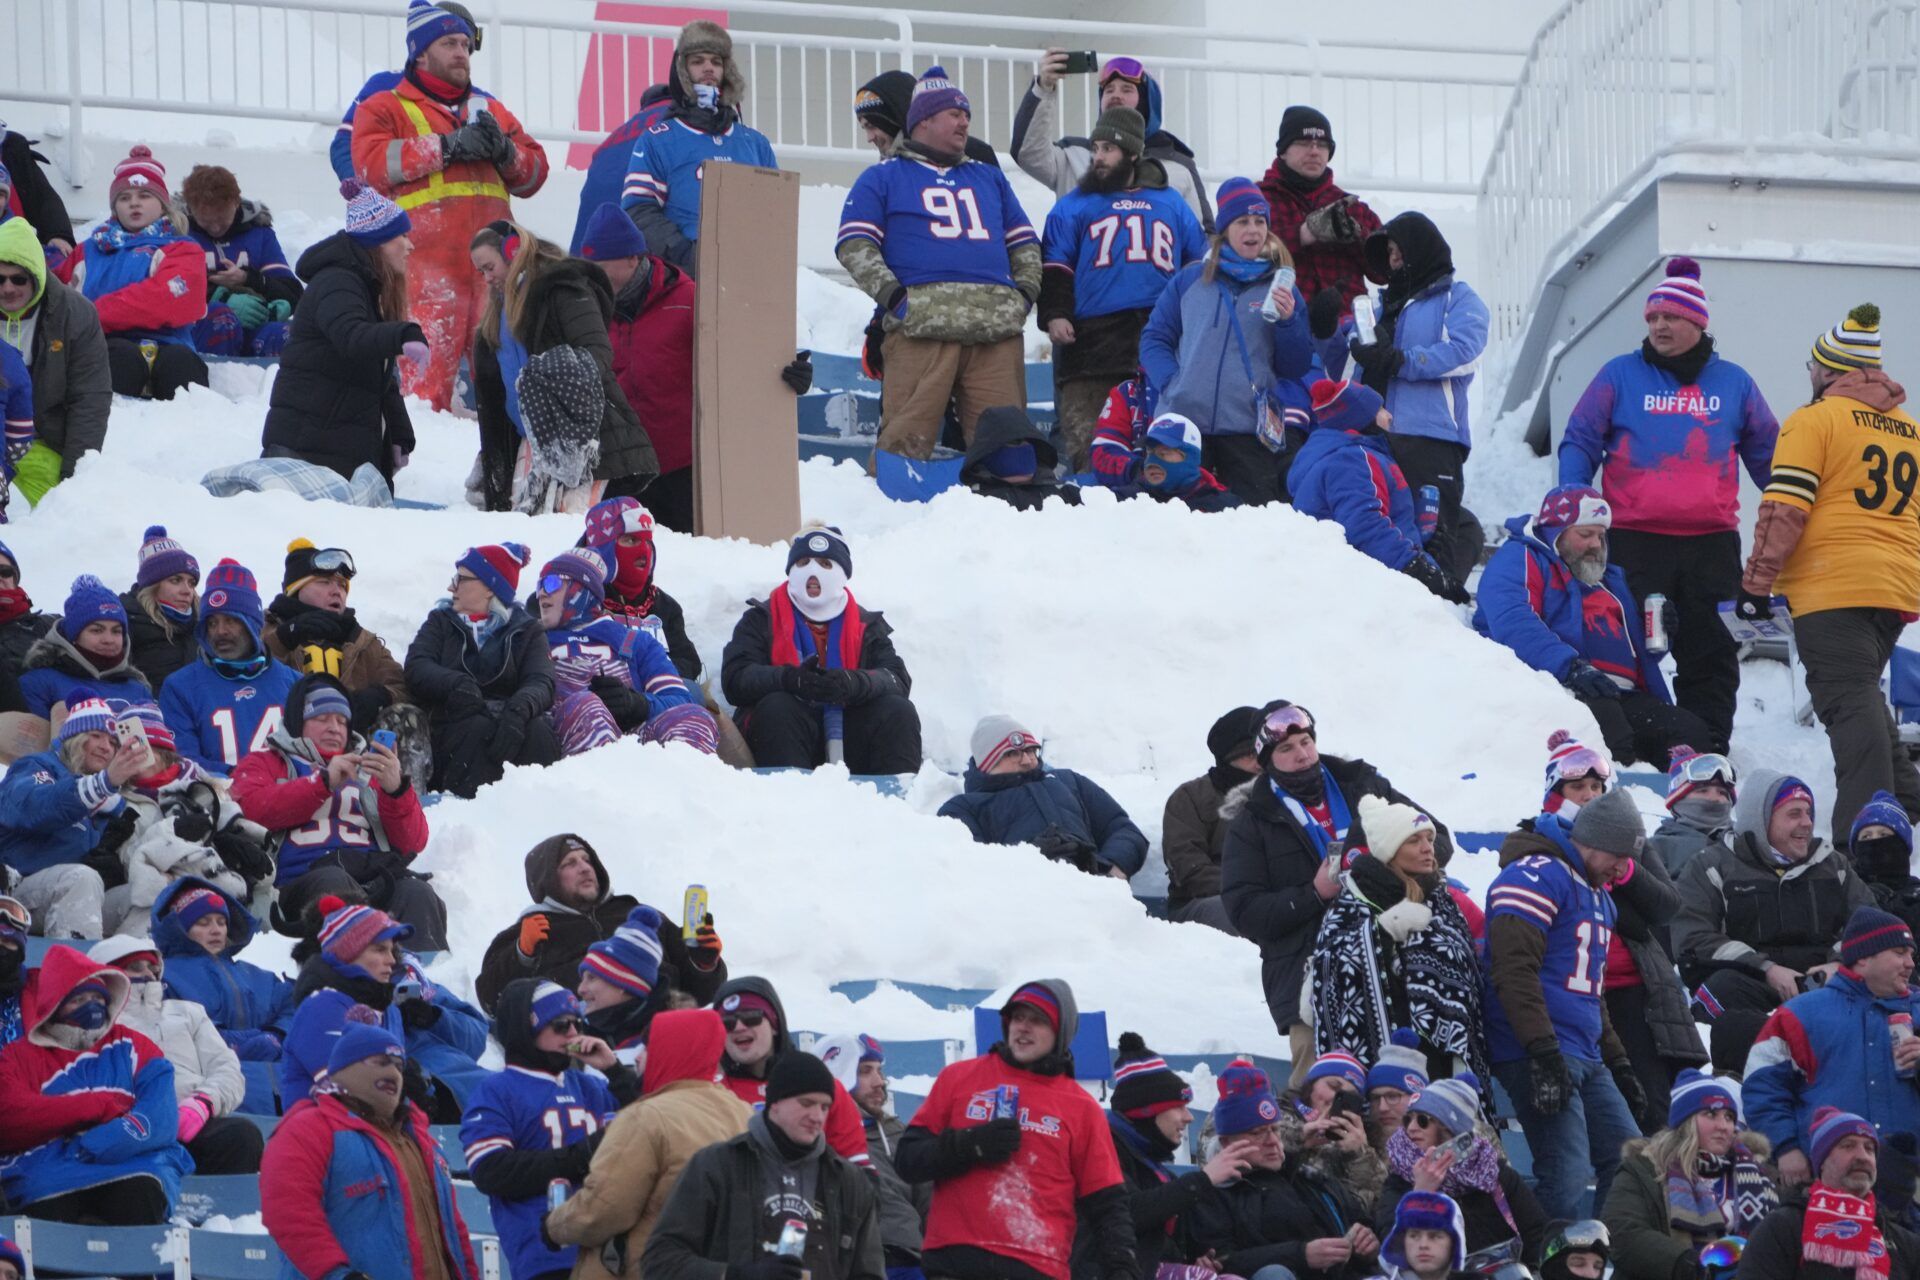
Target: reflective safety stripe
[{"x": 438, "y": 188}]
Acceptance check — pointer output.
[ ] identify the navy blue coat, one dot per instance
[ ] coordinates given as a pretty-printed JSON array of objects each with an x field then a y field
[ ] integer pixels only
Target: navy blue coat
[{"x": 1016, "y": 808}]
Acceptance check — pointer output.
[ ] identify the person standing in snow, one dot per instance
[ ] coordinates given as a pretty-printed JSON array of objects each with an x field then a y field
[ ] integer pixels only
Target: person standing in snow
[
  {"x": 1549, "y": 920},
  {"x": 1019, "y": 1155},
  {"x": 542, "y": 347},
  {"x": 1836, "y": 536},
  {"x": 1192, "y": 834},
  {"x": 812, "y": 674},
  {"x": 228, "y": 703},
  {"x": 451, "y": 156},
  {"x": 57, "y": 332},
  {"x": 28, "y": 198},
  {"x": 1013, "y": 797},
  {"x": 1210, "y": 354},
  {"x": 1108, "y": 249},
  {"x": 336, "y": 402},
  {"x": 1551, "y": 595},
  {"x": 481, "y": 669},
  {"x": 1286, "y": 831},
  {"x": 940, "y": 242},
  {"x": 1324, "y": 228},
  {"x": 859, "y": 1063},
  {"x": 1346, "y": 472},
  {"x": 340, "y": 151},
  {"x": 1060, "y": 163},
  {"x": 251, "y": 291},
  {"x": 1668, "y": 428}
]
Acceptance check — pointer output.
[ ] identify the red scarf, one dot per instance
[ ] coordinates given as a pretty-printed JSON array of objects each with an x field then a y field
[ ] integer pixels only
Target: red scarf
[
  {"x": 1839, "y": 1231},
  {"x": 786, "y": 640},
  {"x": 438, "y": 89},
  {"x": 14, "y": 603}
]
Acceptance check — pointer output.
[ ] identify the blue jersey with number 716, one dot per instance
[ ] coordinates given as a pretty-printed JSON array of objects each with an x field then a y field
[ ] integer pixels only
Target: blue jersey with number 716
[{"x": 1550, "y": 892}]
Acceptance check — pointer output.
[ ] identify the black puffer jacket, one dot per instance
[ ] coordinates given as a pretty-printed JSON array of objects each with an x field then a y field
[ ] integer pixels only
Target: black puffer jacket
[
  {"x": 16, "y": 638},
  {"x": 748, "y": 674},
  {"x": 570, "y": 304},
  {"x": 155, "y": 654},
  {"x": 1645, "y": 904},
  {"x": 1267, "y": 870},
  {"x": 469, "y": 689},
  {"x": 337, "y": 401}
]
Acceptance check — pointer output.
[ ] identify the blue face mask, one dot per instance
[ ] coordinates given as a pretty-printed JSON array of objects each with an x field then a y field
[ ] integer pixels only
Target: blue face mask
[
  {"x": 1180, "y": 475},
  {"x": 90, "y": 1016}
]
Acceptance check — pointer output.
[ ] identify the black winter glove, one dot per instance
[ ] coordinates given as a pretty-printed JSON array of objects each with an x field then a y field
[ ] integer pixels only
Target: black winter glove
[
  {"x": 771, "y": 1267},
  {"x": 1631, "y": 1090},
  {"x": 829, "y": 688},
  {"x": 508, "y": 737},
  {"x": 481, "y": 138},
  {"x": 414, "y": 1086},
  {"x": 799, "y": 374},
  {"x": 1323, "y": 313},
  {"x": 418, "y": 1015},
  {"x": 193, "y": 826},
  {"x": 1062, "y": 846},
  {"x": 1380, "y": 361},
  {"x": 243, "y": 857},
  {"x": 790, "y": 680},
  {"x": 367, "y": 704},
  {"x": 118, "y": 831},
  {"x": 627, "y": 704},
  {"x": 1588, "y": 681},
  {"x": 1547, "y": 1075},
  {"x": 465, "y": 700},
  {"x": 1753, "y": 608},
  {"x": 991, "y": 1143},
  {"x": 1426, "y": 571},
  {"x": 1377, "y": 882}
]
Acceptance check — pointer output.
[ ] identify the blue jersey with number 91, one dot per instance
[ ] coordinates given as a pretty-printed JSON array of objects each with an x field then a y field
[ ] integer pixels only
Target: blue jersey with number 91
[
  {"x": 935, "y": 224},
  {"x": 1551, "y": 894}
]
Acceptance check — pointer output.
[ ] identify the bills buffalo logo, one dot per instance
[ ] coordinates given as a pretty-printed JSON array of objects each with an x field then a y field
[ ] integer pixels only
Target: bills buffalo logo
[
  {"x": 1268, "y": 1110},
  {"x": 1845, "y": 1229},
  {"x": 980, "y": 1105},
  {"x": 216, "y": 599},
  {"x": 831, "y": 1054},
  {"x": 135, "y": 1124},
  {"x": 244, "y": 692},
  {"x": 730, "y": 1003},
  {"x": 41, "y": 778}
]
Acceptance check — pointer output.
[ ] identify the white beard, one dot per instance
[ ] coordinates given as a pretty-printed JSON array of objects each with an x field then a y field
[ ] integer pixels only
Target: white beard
[{"x": 832, "y": 599}]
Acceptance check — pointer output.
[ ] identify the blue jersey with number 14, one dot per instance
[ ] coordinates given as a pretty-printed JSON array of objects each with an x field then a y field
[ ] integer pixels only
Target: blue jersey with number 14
[
  {"x": 1121, "y": 247},
  {"x": 935, "y": 224},
  {"x": 1551, "y": 893},
  {"x": 521, "y": 1109}
]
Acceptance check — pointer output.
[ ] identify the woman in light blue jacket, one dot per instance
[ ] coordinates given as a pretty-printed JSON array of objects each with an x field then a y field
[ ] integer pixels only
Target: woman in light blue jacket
[
  {"x": 1431, "y": 331},
  {"x": 1211, "y": 356}
]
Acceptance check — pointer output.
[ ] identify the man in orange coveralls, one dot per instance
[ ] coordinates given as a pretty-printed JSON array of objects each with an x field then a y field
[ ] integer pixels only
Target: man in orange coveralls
[{"x": 450, "y": 155}]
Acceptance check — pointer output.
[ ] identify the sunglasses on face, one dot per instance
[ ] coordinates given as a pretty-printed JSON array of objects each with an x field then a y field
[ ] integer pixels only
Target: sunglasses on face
[
  {"x": 750, "y": 1018},
  {"x": 17, "y": 281},
  {"x": 1417, "y": 1120},
  {"x": 461, "y": 579},
  {"x": 8, "y": 573},
  {"x": 566, "y": 1026}
]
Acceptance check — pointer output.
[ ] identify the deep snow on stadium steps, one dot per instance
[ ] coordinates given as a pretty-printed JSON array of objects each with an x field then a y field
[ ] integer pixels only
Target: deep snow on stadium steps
[{"x": 1117, "y": 632}]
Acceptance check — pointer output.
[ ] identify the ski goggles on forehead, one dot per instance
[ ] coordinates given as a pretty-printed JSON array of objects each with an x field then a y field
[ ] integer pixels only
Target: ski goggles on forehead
[
  {"x": 1586, "y": 762},
  {"x": 1280, "y": 723},
  {"x": 334, "y": 560},
  {"x": 1585, "y": 1234},
  {"x": 14, "y": 920},
  {"x": 1707, "y": 769},
  {"x": 1124, "y": 67}
]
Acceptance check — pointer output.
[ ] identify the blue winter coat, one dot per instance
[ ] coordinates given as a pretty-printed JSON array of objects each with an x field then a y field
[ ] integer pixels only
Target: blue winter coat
[
  {"x": 50, "y": 815},
  {"x": 607, "y": 170},
  {"x": 1531, "y": 603},
  {"x": 1442, "y": 333},
  {"x": 1829, "y": 1048},
  {"x": 1351, "y": 477},
  {"x": 1014, "y": 808},
  {"x": 336, "y": 1202},
  {"x": 448, "y": 1051},
  {"x": 1210, "y": 356},
  {"x": 242, "y": 999}
]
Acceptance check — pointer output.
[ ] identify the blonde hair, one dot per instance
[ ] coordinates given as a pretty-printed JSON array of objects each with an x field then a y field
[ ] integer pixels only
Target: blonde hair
[
  {"x": 1274, "y": 251},
  {"x": 1675, "y": 1148},
  {"x": 149, "y": 601},
  {"x": 531, "y": 260}
]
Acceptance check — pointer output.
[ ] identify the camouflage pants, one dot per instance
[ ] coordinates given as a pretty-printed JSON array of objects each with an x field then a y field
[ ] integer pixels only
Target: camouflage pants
[{"x": 922, "y": 375}]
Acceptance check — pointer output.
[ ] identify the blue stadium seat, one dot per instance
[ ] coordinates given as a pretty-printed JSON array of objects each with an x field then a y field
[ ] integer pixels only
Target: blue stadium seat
[
  {"x": 99, "y": 1251},
  {"x": 906, "y": 1104},
  {"x": 475, "y": 1207},
  {"x": 1092, "y": 1058},
  {"x": 232, "y": 1255},
  {"x": 448, "y": 1136},
  {"x": 227, "y": 1195},
  {"x": 265, "y": 1124}
]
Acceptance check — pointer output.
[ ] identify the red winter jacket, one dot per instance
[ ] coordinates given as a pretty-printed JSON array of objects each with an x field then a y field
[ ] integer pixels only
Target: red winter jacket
[
  {"x": 267, "y": 794},
  {"x": 155, "y": 302},
  {"x": 653, "y": 359},
  {"x": 1320, "y": 265}
]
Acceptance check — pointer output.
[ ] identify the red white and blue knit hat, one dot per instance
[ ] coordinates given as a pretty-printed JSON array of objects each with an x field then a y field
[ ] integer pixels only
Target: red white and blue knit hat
[
  {"x": 349, "y": 930},
  {"x": 89, "y": 715},
  {"x": 1569, "y": 505},
  {"x": 1338, "y": 1065},
  {"x": 1237, "y": 198},
  {"x": 933, "y": 93},
  {"x": 1569, "y": 759},
  {"x": 1344, "y": 406},
  {"x": 1870, "y": 931},
  {"x": 1035, "y": 995},
  {"x": 139, "y": 171},
  {"x": 428, "y": 22},
  {"x": 1830, "y": 1124},
  {"x": 1680, "y": 295},
  {"x": 550, "y": 1001},
  {"x": 233, "y": 590},
  {"x": 1143, "y": 1084},
  {"x": 160, "y": 558},
  {"x": 1695, "y": 1091},
  {"x": 152, "y": 722},
  {"x": 1424, "y": 1211},
  {"x": 498, "y": 567},
  {"x": 1246, "y": 1100},
  {"x": 630, "y": 959},
  {"x": 195, "y": 903},
  {"x": 372, "y": 219}
]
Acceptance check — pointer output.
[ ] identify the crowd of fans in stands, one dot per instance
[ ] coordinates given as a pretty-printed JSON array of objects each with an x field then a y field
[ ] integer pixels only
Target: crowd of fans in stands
[{"x": 210, "y": 762}]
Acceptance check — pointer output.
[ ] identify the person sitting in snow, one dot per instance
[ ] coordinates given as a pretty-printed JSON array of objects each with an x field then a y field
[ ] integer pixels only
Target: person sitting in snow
[
  {"x": 814, "y": 676},
  {"x": 312, "y": 628},
  {"x": 1012, "y": 460},
  {"x": 1701, "y": 790},
  {"x": 610, "y": 679},
  {"x": 85, "y": 654},
  {"x": 1428, "y": 1239},
  {"x": 92, "y": 1123},
  {"x": 1168, "y": 467},
  {"x": 1550, "y": 595},
  {"x": 1881, "y": 846},
  {"x": 1345, "y": 472},
  {"x": 58, "y": 335},
  {"x": 619, "y": 983},
  {"x": 480, "y": 668},
  {"x": 16, "y": 409},
  {"x": 621, "y": 530},
  {"x": 1191, "y": 832},
  {"x": 147, "y": 280},
  {"x": 351, "y": 820},
  {"x": 574, "y": 906},
  {"x": 16, "y": 922},
  {"x": 163, "y": 608},
  {"x": 1012, "y": 797},
  {"x": 228, "y": 703},
  {"x": 251, "y": 291}
]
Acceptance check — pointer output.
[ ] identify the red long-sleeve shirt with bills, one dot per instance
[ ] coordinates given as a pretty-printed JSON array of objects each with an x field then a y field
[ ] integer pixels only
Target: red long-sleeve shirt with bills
[{"x": 1022, "y": 1209}]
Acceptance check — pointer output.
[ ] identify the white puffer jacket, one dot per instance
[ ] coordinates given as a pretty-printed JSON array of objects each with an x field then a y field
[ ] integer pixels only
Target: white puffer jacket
[{"x": 202, "y": 1061}]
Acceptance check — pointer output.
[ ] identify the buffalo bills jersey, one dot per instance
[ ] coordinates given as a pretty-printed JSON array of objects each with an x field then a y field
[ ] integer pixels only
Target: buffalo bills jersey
[
  {"x": 1121, "y": 247},
  {"x": 1551, "y": 894},
  {"x": 935, "y": 224},
  {"x": 520, "y": 1109},
  {"x": 670, "y": 158}
]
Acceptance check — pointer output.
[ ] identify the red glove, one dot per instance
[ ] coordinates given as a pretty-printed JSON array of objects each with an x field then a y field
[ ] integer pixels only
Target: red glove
[
  {"x": 194, "y": 1114},
  {"x": 705, "y": 952},
  {"x": 533, "y": 932}
]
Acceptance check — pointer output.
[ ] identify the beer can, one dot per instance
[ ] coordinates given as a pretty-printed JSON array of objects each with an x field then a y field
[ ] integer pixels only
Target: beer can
[
  {"x": 793, "y": 1239},
  {"x": 1427, "y": 510},
  {"x": 1900, "y": 1027},
  {"x": 1655, "y": 611},
  {"x": 557, "y": 1192},
  {"x": 1006, "y": 1102},
  {"x": 1282, "y": 283}
]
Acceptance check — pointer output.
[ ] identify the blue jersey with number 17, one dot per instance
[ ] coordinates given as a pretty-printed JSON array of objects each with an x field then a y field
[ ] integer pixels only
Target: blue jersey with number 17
[
  {"x": 1551, "y": 893},
  {"x": 1121, "y": 247},
  {"x": 935, "y": 224}
]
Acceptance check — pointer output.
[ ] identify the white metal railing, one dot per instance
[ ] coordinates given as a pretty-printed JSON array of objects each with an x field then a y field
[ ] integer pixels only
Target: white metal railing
[
  {"x": 1407, "y": 117},
  {"x": 1611, "y": 87}
]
